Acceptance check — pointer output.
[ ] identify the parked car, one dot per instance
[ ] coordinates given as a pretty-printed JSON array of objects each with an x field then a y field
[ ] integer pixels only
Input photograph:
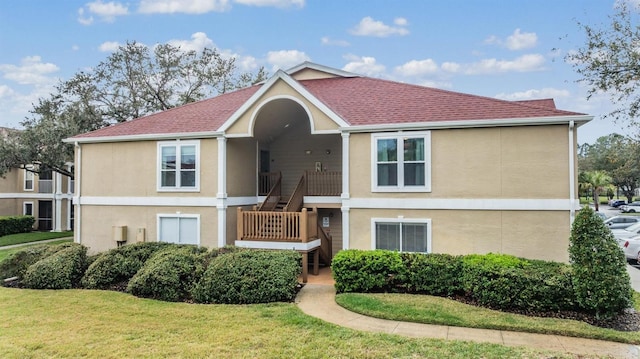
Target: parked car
[
  {"x": 615, "y": 203},
  {"x": 625, "y": 233},
  {"x": 621, "y": 222},
  {"x": 601, "y": 215},
  {"x": 631, "y": 249},
  {"x": 631, "y": 207}
]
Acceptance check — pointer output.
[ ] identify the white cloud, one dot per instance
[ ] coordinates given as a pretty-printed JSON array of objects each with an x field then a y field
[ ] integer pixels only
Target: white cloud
[
  {"x": 547, "y": 92},
  {"x": 400, "y": 21},
  {"x": 417, "y": 68},
  {"x": 31, "y": 71},
  {"x": 517, "y": 41},
  {"x": 524, "y": 63},
  {"x": 105, "y": 11},
  {"x": 364, "y": 66},
  {"x": 370, "y": 27},
  {"x": 183, "y": 6},
  {"x": 331, "y": 42},
  {"x": 109, "y": 46},
  {"x": 198, "y": 42},
  {"x": 285, "y": 59},
  {"x": 272, "y": 3},
  {"x": 450, "y": 67}
]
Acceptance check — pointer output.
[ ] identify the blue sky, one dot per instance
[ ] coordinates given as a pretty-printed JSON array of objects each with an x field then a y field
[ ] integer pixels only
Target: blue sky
[{"x": 504, "y": 49}]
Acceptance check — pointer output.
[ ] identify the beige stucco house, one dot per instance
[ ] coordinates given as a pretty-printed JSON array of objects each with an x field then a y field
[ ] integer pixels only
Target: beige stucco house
[
  {"x": 318, "y": 158},
  {"x": 46, "y": 196}
]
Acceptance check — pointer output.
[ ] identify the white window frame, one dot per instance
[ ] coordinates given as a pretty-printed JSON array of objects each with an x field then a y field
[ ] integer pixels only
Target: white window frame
[
  {"x": 401, "y": 220},
  {"x": 178, "y": 145},
  {"x": 178, "y": 216},
  {"x": 24, "y": 208},
  {"x": 27, "y": 172},
  {"x": 399, "y": 137}
]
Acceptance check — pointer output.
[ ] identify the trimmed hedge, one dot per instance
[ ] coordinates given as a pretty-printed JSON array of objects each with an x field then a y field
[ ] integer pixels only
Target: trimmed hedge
[
  {"x": 433, "y": 273},
  {"x": 169, "y": 274},
  {"x": 357, "y": 270},
  {"x": 61, "y": 270},
  {"x": 600, "y": 279},
  {"x": 120, "y": 264},
  {"x": 16, "y": 264},
  {"x": 250, "y": 276},
  {"x": 16, "y": 224}
]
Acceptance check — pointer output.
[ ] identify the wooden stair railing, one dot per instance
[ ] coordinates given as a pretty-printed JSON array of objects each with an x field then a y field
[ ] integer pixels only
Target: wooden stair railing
[
  {"x": 273, "y": 197},
  {"x": 297, "y": 198}
]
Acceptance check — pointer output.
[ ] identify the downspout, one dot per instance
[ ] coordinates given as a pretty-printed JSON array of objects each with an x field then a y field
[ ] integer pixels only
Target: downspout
[
  {"x": 77, "y": 213},
  {"x": 345, "y": 196},
  {"x": 572, "y": 171}
]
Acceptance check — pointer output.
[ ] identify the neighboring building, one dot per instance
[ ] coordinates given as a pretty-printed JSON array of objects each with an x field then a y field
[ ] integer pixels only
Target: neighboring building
[
  {"x": 322, "y": 153},
  {"x": 47, "y": 197}
]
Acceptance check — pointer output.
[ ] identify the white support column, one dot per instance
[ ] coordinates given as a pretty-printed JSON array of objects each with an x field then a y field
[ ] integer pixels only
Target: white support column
[
  {"x": 345, "y": 165},
  {"x": 77, "y": 199},
  {"x": 572, "y": 173},
  {"x": 345, "y": 227},
  {"x": 222, "y": 192},
  {"x": 57, "y": 198}
]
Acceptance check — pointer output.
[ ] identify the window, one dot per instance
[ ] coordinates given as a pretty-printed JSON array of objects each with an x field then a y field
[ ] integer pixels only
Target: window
[
  {"x": 28, "y": 178},
  {"x": 27, "y": 208},
  {"x": 401, "y": 162},
  {"x": 179, "y": 228},
  {"x": 403, "y": 235},
  {"x": 178, "y": 166}
]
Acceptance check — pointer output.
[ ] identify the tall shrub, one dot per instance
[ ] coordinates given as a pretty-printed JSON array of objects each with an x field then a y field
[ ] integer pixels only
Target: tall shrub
[{"x": 600, "y": 279}]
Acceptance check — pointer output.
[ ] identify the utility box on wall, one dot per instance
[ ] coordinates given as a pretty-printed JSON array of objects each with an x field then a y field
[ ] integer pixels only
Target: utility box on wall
[
  {"x": 119, "y": 234},
  {"x": 141, "y": 235}
]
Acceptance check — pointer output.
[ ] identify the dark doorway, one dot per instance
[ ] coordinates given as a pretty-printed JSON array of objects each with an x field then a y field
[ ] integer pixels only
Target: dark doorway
[{"x": 45, "y": 215}]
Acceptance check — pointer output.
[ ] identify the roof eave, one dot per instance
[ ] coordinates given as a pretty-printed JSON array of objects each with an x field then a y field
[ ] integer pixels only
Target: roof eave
[
  {"x": 145, "y": 137},
  {"x": 555, "y": 120}
]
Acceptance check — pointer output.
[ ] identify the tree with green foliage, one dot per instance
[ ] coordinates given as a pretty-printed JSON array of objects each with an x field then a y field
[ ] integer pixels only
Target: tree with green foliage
[
  {"x": 133, "y": 81},
  {"x": 618, "y": 156},
  {"x": 609, "y": 61},
  {"x": 600, "y": 279},
  {"x": 597, "y": 180}
]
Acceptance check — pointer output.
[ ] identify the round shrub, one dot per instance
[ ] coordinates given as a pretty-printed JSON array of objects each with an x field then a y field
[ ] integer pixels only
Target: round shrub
[
  {"x": 367, "y": 271},
  {"x": 118, "y": 265},
  {"x": 433, "y": 274},
  {"x": 169, "y": 274},
  {"x": 250, "y": 276},
  {"x": 600, "y": 279},
  {"x": 61, "y": 270},
  {"x": 16, "y": 264}
]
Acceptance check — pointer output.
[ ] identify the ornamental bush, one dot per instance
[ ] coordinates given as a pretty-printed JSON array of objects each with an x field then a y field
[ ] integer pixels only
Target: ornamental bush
[
  {"x": 600, "y": 279},
  {"x": 433, "y": 274},
  {"x": 250, "y": 276},
  {"x": 61, "y": 270},
  {"x": 169, "y": 274},
  {"x": 16, "y": 224},
  {"x": 118, "y": 265},
  {"x": 16, "y": 264},
  {"x": 367, "y": 271}
]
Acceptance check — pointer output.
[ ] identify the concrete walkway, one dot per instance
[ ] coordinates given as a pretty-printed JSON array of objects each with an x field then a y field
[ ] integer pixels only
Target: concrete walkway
[
  {"x": 317, "y": 299},
  {"x": 32, "y": 243}
]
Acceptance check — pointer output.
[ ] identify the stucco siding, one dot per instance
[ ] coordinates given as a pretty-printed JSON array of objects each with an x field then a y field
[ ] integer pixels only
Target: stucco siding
[
  {"x": 529, "y": 162},
  {"x": 131, "y": 169},
  {"x": 241, "y": 167},
  {"x": 97, "y": 223},
  {"x": 311, "y": 74},
  {"x": 531, "y": 234}
]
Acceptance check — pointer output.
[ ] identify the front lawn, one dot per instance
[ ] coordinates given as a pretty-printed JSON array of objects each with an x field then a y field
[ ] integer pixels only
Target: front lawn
[
  {"x": 4, "y": 253},
  {"x": 442, "y": 311},
  {"x": 92, "y": 324},
  {"x": 20, "y": 238}
]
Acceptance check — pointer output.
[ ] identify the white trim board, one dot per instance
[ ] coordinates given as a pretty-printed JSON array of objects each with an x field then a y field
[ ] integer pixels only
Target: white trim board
[
  {"x": 510, "y": 204},
  {"x": 163, "y": 201},
  {"x": 296, "y": 246}
]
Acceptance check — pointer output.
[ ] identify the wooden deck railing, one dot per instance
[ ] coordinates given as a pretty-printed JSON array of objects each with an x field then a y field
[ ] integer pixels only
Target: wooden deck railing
[
  {"x": 266, "y": 181},
  {"x": 324, "y": 183},
  {"x": 277, "y": 226},
  {"x": 325, "y": 245},
  {"x": 273, "y": 196}
]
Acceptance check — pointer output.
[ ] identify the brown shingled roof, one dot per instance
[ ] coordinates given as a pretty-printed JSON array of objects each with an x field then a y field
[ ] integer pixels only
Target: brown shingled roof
[{"x": 357, "y": 100}]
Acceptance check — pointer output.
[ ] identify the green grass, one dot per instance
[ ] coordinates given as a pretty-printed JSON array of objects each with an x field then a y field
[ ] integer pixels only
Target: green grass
[
  {"x": 442, "y": 311},
  {"x": 20, "y": 238},
  {"x": 104, "y": 324},
  {"x": 6, "y": 252}
]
